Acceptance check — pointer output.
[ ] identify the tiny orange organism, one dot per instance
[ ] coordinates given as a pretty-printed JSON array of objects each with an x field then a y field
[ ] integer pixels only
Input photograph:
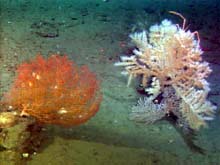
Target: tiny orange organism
[{"x": 55, "y": 91}]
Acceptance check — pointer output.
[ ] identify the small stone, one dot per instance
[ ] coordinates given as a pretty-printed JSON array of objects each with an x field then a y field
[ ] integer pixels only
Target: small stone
[
  {"x": 10, "y": 107},
  {"x": 7, "y": 119},
  {"x": 171, "y": 141},
  {"x": 25, "y": 155}
]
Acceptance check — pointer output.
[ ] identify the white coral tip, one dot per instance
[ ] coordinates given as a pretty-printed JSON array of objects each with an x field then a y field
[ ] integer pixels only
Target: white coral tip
[
  {"x": 124, "y": 73},
  {"x": 137, "y": 52},
  {"x": 126, "y": 58},
  {"x": 117, "y": 64},
  {"x": 208, "y": 118},
  {"x": 166, "y": 22},
  {"x": 155, "y": 28}
]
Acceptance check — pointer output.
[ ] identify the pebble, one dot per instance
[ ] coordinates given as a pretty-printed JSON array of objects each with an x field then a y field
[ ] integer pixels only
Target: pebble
[{"x": 25, "y": 155}]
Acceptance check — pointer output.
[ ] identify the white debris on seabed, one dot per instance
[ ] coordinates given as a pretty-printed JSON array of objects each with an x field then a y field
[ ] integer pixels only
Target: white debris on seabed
[{"x": 25, "y": 155}]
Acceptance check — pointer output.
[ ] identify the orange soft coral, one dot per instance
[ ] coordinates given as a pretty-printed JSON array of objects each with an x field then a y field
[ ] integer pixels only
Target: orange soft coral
[{"x": 55, "y": 91}]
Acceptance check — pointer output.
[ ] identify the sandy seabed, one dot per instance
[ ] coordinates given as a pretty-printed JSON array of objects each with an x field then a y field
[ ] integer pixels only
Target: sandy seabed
[{"x": 95, "y": 33}]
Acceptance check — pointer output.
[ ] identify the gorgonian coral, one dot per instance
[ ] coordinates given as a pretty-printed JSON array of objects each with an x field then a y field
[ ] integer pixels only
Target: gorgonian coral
[
  {"x": 55, "y": 91},
  {"x": 170, "y": 55}
]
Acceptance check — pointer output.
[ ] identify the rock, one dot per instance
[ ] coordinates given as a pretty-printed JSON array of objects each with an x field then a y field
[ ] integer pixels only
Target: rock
[
  {"x": 45, "y": 29},
  {"x": 14, "y": 137}
]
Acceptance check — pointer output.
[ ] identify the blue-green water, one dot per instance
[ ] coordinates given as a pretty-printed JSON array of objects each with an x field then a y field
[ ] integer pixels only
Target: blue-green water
[{"x": 95, "y": 33}]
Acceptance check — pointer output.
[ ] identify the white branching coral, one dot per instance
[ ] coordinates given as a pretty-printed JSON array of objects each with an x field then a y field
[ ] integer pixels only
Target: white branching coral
[
  {"x": 146, "y": 111},
  {"x": 170, "y": 55},
  {"x": 150, "y": 109}
]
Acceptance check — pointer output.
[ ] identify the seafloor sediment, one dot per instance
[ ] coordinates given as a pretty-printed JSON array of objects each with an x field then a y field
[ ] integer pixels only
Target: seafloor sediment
[{"x": 95, "y": 33}]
